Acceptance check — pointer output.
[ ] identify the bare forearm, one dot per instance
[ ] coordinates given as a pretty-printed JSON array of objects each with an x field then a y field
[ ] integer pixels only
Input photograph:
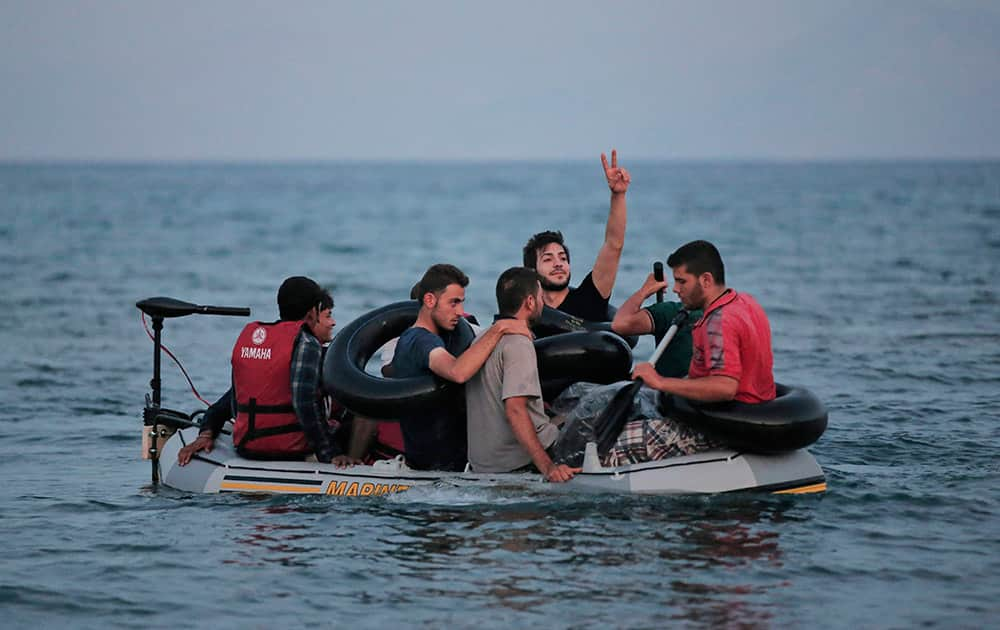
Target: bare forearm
[
  {"x": 606, "y": 266},
  {"x": 469, "y": 362},
  {"x": 614, "y": 232},
  {"x": 630, "y": 318},
  {"x": 706, "y": 389},
  {"x": 524, "y": 432}
]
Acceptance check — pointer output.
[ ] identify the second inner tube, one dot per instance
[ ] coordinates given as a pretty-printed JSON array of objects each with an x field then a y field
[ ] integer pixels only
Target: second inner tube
[
  {"x": 793, "y": 420},
  {"x": 592, "y": 356},
  {"x": 554, "y": 322},
  {"x": 345, "y": 378}
]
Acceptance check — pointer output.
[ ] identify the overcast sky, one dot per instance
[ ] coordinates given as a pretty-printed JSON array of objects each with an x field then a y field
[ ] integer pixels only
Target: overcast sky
[{"x": 425, "y": 79}]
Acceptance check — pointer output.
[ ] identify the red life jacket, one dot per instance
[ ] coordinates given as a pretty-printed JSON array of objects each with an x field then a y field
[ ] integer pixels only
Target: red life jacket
[{"x": 265, "y": 420}]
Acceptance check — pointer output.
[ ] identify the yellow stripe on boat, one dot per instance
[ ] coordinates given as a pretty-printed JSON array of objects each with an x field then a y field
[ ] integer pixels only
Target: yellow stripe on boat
[
  {"x": 816, "y": 487},
  {"x": 264, "y": 487}
]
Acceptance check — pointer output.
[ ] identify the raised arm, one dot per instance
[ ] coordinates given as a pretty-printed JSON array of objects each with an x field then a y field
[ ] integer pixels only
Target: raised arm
[
  {"x": 464, "y": 367},
  {"x": 631, "y": 318},
  {"x": 606, "y": 266}
]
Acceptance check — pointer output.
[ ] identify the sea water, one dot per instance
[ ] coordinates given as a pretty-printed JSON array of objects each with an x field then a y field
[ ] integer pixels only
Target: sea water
[{"x": 880, "y": 280}]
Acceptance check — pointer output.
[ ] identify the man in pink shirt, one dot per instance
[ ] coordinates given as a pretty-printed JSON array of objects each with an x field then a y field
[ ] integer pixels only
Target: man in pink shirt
[{"x": 732, "y": 358}]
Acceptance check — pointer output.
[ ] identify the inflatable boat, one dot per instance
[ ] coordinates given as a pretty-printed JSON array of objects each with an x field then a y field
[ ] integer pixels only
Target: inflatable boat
[
  {"x": 784, "y": 467},
  {"x": 222, "y": 470}
]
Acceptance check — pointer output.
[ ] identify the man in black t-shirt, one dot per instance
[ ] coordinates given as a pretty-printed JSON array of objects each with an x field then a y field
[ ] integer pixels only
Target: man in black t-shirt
[{"x": 548, "y": 255}]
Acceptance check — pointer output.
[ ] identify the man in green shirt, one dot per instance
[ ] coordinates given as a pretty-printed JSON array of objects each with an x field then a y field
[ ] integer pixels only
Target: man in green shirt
[
  {"x": 633, "y": 319},
  {"x": 583, "y": 402}
]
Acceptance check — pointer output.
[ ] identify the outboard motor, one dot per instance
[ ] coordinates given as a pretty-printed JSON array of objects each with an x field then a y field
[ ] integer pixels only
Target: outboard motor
[{"x": 159, "y": 423}]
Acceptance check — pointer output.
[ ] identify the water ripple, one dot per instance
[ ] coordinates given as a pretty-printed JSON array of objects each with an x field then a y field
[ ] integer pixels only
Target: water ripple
[{"x": 909, "y": 371}]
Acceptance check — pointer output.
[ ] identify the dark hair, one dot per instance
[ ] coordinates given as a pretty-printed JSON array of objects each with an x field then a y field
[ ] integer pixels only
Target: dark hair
[
  {"x": 298, "y": 294},
  {"x": 537, "y": 243},
  {"x": 699, "y": 257},
  {"x": 437, "y": 278},
  {"x": 415, "y": 292},
  {"x": 326, "y": 300},
  {"x": 513, "y": 287}
]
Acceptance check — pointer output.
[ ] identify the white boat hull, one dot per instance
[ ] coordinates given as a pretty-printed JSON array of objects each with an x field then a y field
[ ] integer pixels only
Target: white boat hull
[{"x": 719, "y": 471}]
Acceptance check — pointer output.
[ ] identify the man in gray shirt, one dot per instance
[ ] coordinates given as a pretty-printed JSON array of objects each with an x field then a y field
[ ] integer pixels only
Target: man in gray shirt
[{"x": 507, "y": 426}]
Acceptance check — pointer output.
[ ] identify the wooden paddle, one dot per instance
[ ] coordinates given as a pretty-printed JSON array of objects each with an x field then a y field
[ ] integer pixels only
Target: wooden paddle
[{"x": 609, "y": 424}]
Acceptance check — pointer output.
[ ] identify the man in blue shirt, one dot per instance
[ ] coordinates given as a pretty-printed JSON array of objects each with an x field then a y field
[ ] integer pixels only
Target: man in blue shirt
[{"x": 437, "y": 440}]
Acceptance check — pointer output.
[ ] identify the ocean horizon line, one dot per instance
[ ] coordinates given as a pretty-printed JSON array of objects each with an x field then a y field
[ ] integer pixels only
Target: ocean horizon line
[{"x": 749, "y": 160}]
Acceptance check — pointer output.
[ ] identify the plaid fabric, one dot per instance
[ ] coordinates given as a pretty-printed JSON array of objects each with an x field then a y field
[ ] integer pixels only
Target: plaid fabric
[
  {"x": 310, "y": 408},
  {"x": 645, "y": 437},
  {"x": 649, "y": 439}
]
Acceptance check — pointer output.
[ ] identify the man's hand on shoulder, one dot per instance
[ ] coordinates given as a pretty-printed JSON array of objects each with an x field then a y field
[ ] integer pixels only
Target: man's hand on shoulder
[{"x": 513, "y": 327}]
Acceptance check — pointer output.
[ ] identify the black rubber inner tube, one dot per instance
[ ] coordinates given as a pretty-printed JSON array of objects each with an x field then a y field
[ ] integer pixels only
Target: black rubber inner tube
[
  {"x": 345, "y": 378},
  {"x": 795, "y": 419},
  {"x": 592, "y": 356},
  {"x": 555, "y": 322}
]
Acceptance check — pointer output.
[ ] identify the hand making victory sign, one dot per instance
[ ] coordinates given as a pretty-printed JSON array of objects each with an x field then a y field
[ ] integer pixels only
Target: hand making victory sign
[{"x": 618, "y": 178}]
